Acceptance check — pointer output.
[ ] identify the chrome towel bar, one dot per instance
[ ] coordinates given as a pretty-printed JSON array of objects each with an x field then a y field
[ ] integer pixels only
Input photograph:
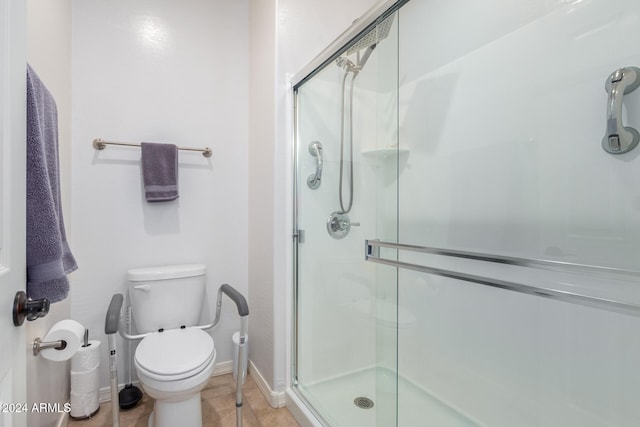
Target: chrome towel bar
[
  {"x": 372, "y": 254},
  {"x": 101, "y": 144},
  {"x": 502, "y": 259}
]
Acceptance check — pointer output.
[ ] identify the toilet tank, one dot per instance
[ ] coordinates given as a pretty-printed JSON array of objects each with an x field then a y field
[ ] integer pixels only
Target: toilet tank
[{"x": 166, "y": 297}]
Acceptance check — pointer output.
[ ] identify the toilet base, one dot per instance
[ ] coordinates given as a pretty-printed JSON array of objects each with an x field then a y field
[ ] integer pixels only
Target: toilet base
[{"x": 185, "y": 413}]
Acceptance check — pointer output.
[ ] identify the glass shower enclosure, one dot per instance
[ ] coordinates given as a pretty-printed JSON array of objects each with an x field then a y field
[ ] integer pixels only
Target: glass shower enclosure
[{"x": 467, "y": 217}]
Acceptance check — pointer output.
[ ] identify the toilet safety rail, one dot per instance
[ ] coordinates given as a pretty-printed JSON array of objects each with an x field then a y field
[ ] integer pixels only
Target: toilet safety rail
[
  {"x": 372, "y": 254},
  {"x": 112, "y": 325}
]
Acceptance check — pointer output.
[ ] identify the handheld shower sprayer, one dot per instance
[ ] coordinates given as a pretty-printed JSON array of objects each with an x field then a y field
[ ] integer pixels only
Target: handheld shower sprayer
[
  {"x": 365, "y": 56},
  {"x": 349, "y": 66},
  {"x": 363, "y": 48}
]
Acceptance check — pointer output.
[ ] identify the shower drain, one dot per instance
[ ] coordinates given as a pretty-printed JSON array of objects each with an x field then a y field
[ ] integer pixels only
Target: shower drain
[{"x": 363, "y": 402}]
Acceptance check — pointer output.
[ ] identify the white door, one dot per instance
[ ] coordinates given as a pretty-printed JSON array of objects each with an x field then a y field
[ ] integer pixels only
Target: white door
[{"x": 12, "y": 209}]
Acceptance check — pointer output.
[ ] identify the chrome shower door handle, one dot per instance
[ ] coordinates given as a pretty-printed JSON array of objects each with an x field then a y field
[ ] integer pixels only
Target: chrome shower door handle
[
  {"x": 313, "y": 181},
  {"x": 618, "y": 138}
]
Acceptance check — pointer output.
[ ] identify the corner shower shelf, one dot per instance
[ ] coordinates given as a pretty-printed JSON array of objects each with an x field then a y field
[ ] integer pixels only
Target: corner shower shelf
[{"x": 380, "y": 154}]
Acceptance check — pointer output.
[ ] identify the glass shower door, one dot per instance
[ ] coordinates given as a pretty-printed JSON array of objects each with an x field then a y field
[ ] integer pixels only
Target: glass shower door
[
  {"x": 345, "y": 353},
  {"x": 520, "y": 235}
]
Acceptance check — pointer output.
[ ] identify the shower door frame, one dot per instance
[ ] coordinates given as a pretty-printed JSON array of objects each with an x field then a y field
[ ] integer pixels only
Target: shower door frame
[{"x": 361, "y": 26}]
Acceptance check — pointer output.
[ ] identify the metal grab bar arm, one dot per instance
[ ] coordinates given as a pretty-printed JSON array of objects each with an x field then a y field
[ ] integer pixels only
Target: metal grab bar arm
[
  {"x": 111, "y": 326},
  {"x": 130, "y": 337},
  {"x": 242, "y": 370},
  {"x": 237, "y": 297},
  {"x": 243, "y": 311}
]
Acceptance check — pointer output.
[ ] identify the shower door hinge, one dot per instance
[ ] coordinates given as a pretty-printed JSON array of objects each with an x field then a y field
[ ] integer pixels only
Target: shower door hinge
[{"x": 299, "y": 235}]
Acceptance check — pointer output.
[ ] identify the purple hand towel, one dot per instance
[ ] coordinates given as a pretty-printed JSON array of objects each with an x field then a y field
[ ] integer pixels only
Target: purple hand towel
[
  {"x": 160, "y": 171},
  {"x": 49, "y": 258}
]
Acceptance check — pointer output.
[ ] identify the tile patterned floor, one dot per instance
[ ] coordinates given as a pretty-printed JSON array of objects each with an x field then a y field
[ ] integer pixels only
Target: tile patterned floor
[{"x": 218, "y": 408}]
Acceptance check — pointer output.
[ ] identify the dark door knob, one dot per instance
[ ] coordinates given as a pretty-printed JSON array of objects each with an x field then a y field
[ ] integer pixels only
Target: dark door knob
[{"x": 24, "y": 307}]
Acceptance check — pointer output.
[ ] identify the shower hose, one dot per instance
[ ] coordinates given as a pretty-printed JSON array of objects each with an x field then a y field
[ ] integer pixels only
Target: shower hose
[{"x": 350, "y": 143}]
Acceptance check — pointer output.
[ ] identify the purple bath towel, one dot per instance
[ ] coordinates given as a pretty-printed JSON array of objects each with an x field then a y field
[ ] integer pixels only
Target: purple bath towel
[
  {"x": 160, "y": 171},
  {"x": 49, "y": 258}
]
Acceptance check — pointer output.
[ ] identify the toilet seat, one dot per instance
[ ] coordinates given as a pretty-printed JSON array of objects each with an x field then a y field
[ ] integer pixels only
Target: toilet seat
[{"x": 174, "y": 354}]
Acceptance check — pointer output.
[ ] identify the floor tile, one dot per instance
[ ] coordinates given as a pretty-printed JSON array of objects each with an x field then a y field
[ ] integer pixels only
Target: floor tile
[{"x": 218, "y": 408}]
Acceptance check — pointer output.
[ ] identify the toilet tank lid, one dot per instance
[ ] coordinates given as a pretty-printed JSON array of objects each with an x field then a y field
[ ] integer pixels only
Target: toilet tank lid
[{"x": 165, "y": 272}]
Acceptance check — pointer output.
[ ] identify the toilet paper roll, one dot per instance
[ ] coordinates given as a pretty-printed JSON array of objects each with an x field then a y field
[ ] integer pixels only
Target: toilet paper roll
[
  {"x": 84, "y": 405},
  {"x": 68, "y": 330},
  {"x": 86, "y": 358},
  {"x": 84, "y": 382}
]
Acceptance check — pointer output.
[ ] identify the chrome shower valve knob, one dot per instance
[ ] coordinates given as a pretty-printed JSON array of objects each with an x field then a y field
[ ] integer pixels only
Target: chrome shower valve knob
[{"x": 339, "y": 225}]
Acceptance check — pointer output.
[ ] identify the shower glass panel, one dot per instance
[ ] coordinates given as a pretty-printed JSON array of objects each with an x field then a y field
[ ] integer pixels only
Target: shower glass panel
[
  {"x": 346, "y": 309},
  {"x": 488, "y": 273},
  {"x": 502, "y": 109}
]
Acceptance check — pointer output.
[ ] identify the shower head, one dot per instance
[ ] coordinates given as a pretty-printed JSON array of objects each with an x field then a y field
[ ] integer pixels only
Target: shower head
[
  {"x": 368, "y": 42},
  {"x": 380, "y": 32}
]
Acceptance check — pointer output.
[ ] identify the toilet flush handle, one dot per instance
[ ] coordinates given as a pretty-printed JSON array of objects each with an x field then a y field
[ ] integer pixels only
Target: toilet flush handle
[{"x": 143, "y": 288}]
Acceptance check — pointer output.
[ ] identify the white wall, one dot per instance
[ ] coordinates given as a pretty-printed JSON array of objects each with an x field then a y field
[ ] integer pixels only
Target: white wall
[
  {"x": 159, "y": 71},
  {"x": 262, "y": 118},
  {"x": 49, "y": 53}
]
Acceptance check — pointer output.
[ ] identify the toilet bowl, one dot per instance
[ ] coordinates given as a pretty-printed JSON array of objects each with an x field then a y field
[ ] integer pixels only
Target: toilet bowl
[
  {"x": 175, "y": 360},
  {"x": 173, "y": 367}
]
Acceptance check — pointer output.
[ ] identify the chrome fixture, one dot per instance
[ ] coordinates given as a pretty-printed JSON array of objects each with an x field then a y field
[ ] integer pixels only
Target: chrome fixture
[
  {"x": 372, "y": 254},
  {"x": 25, "y": 308},
  {"x": 313, "y": 181},
  {"x": 39, "y": 345},
  {"x": 380, "y": 32},
  {"x": 368, "y": 42},
  {"x": 101, "y": 144},
  {"x": 618, "y": 138},
  {"x": 339, "y": 225}
]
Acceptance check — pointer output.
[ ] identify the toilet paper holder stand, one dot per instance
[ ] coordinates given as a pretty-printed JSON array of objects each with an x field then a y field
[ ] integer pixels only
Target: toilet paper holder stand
[{"x": 39, "y": 345}]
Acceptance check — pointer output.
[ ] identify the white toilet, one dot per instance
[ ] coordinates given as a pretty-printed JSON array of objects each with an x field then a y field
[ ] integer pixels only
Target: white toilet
[{"x": 175, "y": 361}]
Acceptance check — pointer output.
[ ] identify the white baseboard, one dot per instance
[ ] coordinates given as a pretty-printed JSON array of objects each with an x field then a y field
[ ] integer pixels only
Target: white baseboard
[
  {"x": 63, "y": 420},
  {"x": 275, "y": 399},
  {"x": 221, "y": 368}
]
